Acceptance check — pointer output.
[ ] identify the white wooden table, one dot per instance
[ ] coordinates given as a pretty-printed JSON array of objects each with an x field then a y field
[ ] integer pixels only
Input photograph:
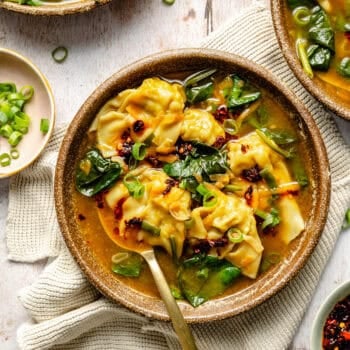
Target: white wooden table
[{"x": 99, "y": 43}]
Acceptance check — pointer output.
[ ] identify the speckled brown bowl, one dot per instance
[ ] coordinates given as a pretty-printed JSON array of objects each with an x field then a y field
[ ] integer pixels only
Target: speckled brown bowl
[
  {"x": 315, "y": 86},
  {"x": 267, "y": 284},
  {"x": 55, "y": 8}
]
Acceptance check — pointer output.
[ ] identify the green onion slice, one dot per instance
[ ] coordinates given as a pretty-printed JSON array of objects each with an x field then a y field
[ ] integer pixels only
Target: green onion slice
[
  {"x": 5, "y": 159},
  {"x": 302, "y": 54},
  {"x": 138, "y": 151},
  {"x": 134, "y": 186},
  {"x": 233, "y": 188},
  {"x": 119, "y": 257},
  {"x": 44, "y": 125},
  {"x": 302, "y": 16},
  {"x": 235, "y": 235},
  {"x": 268, "y": 177},
  {"x": 27, "y": 92},
  {"x": 347, "y": 219},
  {"x": 146, "y": 226},
  {"x": 6, "y": 131},
  {"x": 231, "y": 126},
  {"x": 59, "y": 54},
  {"x": 198, "y": 76},
  {"x": 209, "y": 199},
  {"x": 14, "y": 153},
  {"x": 15, "y": 138}
]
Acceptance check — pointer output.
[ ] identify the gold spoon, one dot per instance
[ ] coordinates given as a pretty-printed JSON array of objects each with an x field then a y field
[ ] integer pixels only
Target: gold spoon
[{"x": 146, "y": 251}]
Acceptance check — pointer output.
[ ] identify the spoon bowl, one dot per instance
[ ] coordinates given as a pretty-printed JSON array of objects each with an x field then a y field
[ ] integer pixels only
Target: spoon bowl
[{"x": 146, "y": 251}]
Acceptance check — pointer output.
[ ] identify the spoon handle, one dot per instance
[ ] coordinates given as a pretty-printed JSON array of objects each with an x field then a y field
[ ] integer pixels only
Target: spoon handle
[{"x": 181, "y": 327}]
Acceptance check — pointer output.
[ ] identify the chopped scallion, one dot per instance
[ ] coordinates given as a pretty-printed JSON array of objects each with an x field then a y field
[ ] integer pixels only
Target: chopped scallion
[
  {"x": 15, "y": 138},
  {"x": 302, "y": 16},
  {"x": 6, "y": 131},
  {"x": 14, "y": 153},
  {"x": 134, "y": 186},
  {"x": 233, "y": 188},
  {"x": 5, "y": 159},
  {"x": 27, "y": 92},
  {"x": 235, "y": 235},
  {"x": 138, "y": 151},
  {"x": 231, "y": 126},
  {"x": 44, "y": 125},
  {"x": 268, "y": 177},
  {"x": 59, "y": 54},
  {"x": 146, "y": 226},
  {"x": 209, "y": 198}
]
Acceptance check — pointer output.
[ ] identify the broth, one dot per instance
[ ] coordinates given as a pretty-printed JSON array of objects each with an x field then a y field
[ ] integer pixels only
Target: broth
[{"x": 89, "y": 210}]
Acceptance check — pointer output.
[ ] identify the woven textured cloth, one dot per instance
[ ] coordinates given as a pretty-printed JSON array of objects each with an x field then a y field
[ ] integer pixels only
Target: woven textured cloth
[{"x": 68, "y": 313}]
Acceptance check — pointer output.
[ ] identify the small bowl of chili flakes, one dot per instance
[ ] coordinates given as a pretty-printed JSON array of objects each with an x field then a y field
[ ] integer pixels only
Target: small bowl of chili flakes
[{"x": 331, "y": 328}]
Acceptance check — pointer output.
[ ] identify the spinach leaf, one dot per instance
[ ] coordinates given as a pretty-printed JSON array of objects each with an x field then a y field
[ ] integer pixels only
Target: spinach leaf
[
  {"x": 240, "y": 95},
  {"x": 96, "y": 173},
  {"x": 296, "y": 3},
  {"x": 268, "y": 137},
  {"x": 320, "y": 31},
  {"x": 130, "y": 267},
  {"x": 319, "y": 57},
  {"x": 346, "y": 223},
  {"x": 280, "y": 136},
  {"x": 259, "y": 119},
  {"x": 196, "y": 93},
  {"x": 199, "y": 93},
  {"x": 203, "y": 277},
  {"x": 202, "y": 161},
  {"x": 344, "y": 67}
]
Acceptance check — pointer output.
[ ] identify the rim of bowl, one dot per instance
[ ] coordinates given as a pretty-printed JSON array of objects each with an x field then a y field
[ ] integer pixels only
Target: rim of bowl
[
  {"x": 339, "y": 293},
  {"x": 333, "y": 103},
  {"x": 55, "y": 9},
  {"x": 46, "y": 83},
  {"x": 139, "y": 70}
]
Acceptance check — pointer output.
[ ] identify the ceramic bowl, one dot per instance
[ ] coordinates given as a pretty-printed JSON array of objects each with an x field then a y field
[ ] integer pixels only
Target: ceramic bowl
[
  {"x": 337, "y": 295},
  {"x": 164, "y": 64},
  {"x": 54, "y": 8},
  {"x": 19, "y": 70},
  {"x": 314, "y": 85}
]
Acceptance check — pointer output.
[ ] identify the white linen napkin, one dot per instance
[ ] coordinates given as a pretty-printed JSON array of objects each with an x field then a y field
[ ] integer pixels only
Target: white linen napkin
[{"x": 68, "y": 313}]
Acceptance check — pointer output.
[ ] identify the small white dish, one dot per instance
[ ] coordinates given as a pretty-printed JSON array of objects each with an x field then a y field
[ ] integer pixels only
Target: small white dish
[
  {"x": 19, "y": 70},
  {"x": 337, "y": 295}
]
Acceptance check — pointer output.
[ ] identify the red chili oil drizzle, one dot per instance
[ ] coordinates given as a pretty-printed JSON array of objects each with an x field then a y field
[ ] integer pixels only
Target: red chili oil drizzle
[{"x": 336, "y": 331}]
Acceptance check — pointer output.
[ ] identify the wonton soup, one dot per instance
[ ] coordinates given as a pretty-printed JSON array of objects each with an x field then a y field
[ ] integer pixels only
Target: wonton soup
[
  {"x": 321, "y": 32},
  {"x": 204, "y": 167}
]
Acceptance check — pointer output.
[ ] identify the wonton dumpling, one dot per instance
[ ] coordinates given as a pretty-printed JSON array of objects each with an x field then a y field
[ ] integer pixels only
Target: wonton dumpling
[
  {"x": 165, "y": 211},
  {"x": 159, "y": 105},
  {"x": 213, "y": 222},
  {"x": 251, "y": 150},
  {"x": 256, "y": 152},
  {"x": 292, "y": 222},
  {"x": 110, "y": 129},
  {"x": 200, "y": 125}
]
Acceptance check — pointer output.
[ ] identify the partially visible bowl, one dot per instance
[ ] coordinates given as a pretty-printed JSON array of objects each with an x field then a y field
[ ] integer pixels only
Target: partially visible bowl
[
  {"x": 17, "y": 69},
  {"x": 337, "y": 295},
  {"x": 340, "y": 106},
  {"x": 189, "y": 60},
  {"x": 54, "y": 8}
]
